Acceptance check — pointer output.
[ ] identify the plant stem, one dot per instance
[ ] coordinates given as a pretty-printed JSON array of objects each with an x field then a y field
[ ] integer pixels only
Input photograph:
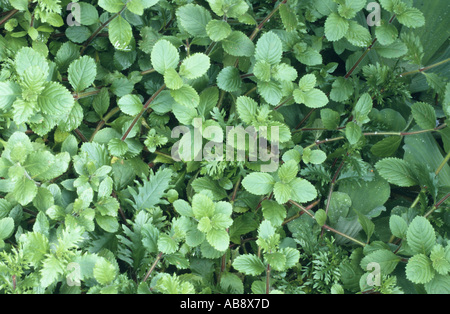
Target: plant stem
[
  {"x": 138, "y": 116},
  {"x": 442, "y": 200},
  {"x": 268, "y": 279},
  {"x": 100, "y": 28},
  {"x": 8, "y": 16},
  {"x": 326, "y": 226},
  {"x": 443, "y": 163},
  {"x": 80, "y": 135},
  {"x": 77, "y": 96},
  {"x": 152, "y": 267},
  {"x": 425, "y": 68},
  {"x": 267, "y": 18},
  {"x": 104, "y": 121},
  {"x": 365, "y": 53}
]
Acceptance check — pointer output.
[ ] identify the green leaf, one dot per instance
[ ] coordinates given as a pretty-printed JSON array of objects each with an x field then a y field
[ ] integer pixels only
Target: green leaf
[
  {"x": 88, "y": 14},
  {"x": 269, "y": 48},
  {"x": 6, "y": 227},
  {"x": 249, "y": 264},
  {"x": 313, "y": 98},
  {"x": 386, "y": 259},
  {"x": 166, "y": 244},
  {"x": 419, "y": 269},
  {"x": 438, "y": 257},
  {"x": 194, "y": 66},
  {"x": 258, "y": 183},
  {"x": 218, "y": 238},
  {"x": 341, "y": 89},
  {"x": 229, "y": 79},
  {"x": 120, "y": 33},
  {"x": 28, "y": 57},
  {"x": 335, "y": 27},
  {"x": 398, "y": 226},
  {"x": 288, "y": 18},
  {"x": 238, "y": 44},
  {"x": 424, "y": 115},
  {"x": 273, "y": 212},
  {"x": 82, "y": 73},
  {"x": 411, "y": 17},
  {"x": 396, "y": 171},
  {"x": 358, "y": 35},
  {"x": 246, "y": 108},
  {"x": 386, "y": 33},
  {"x": 172, "y": 79},
  {"x": 193, "y": 18},
  {"x": 315, "y": 156},
  {"x": 282, "y": 192},
  {"x": 363, "y": 108},
  {"x": 112, "y": 6},
  {"x": 24, "y": 191},
  {"x": 353, "y": 132},
  {"x": 104, "y": 272},
  {"x": 218, "y": 30},
  {"x": 438, "y": 285},
  {"x": 270, "y": 91},
  {"x": 262, "y": 71},
  {"x": 202, "y": 206},
  {"x": 307, "y": 82},
  {"x": 130, "y": 104},
  {"x": 302, "y": 190},
  {"x": 330, "y": 118},
  {"x": 186, "y": 96},
  {"x": 394, "y": 50},
  {"x": 387, "y": 146},
  {"x": 421, "y": 236},
  {"x": 9, "y": 91},
  {"x": 321, "y": 217}
]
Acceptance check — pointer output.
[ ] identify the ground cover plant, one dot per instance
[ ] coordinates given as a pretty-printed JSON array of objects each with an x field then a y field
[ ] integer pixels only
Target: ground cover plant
[{"x": 121, "y": 173}]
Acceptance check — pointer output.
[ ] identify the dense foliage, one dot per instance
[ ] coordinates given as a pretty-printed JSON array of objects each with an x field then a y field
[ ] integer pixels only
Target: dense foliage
[{"x": 352, "y": 97}]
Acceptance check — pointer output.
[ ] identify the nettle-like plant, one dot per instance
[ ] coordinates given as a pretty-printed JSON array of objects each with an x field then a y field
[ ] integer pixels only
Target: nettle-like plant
[{"x": 112, "y": 179}]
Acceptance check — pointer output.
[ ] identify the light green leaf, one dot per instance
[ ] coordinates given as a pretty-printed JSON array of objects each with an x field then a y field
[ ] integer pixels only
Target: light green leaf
[
  {"x": 353, "y": 132},
  {"x": 363, "y": 108},
  {"x": 112, "y": 6},
  {"x": 218, "y": 238},
  {"x": 424, "y": 115},
  {"x": 186, "y": 96},
  {"x": 307, "y": 82},
  {"x": 166, "y": 244},
  {"x": 396, "y": 171},
  {"x": 420, "y": 235},
  {"x": 419, "y": 269},
  {"x": 6, "y": 227},
  {"x": 358, "y": 35},
  {"x": 9, "y": 91},
  {"x": 258, "y": 183},
  {"x": 193, "y": 18},
  {"x": 273, "y": 212},
  {"x": 104, "y": 271},
  {"x": 130, "y": 104},
  {"x": 249, "y": 264},
  {"x": 270, "y": 91},
  {"x": 269, "y": 48},
  {"x": 229, "y": 79},
  {"x": 398, "y": 226},
  {"x": 315, "y": 98},
  {"x": 246, "y": 108},
  {"x": 440, "y": 263},
  {"x": 330, "y": 118},
  {"x": 194, "y": 66},
  {"x": 82, "y": 73},
  {"x": 321, "y": 217},
  {"x": 386, "y": 259},
  {"x": 386, "y": 33},
  {"x": 218, "y": 30},
  {"x": 120, "y": 33},
  {"x": 172, "y": 79},
  {"x": 238, "y": 44},
  {"x": 302, "y": 190},
  {"x": 282, "y": 192},
  {"x": 335, "y": 27},
  {"x": 411, "y": 17}
]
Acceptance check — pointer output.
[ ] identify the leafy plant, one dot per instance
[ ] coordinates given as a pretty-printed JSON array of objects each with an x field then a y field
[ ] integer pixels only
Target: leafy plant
[{"x": 224, "y": 146}]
